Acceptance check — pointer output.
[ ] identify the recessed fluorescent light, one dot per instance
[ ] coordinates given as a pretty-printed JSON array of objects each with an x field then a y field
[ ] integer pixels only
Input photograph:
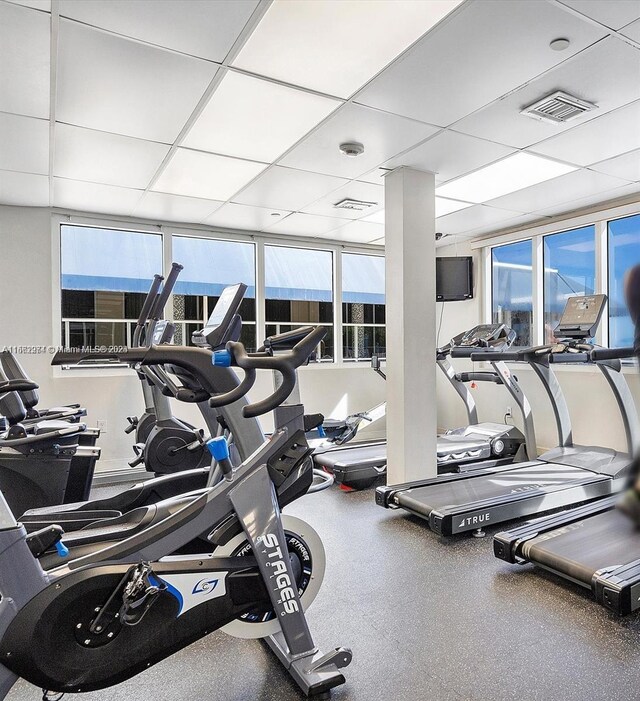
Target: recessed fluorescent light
[
  {"x": 508, "y": 175},
  {"x": 256, "y": 119},
  {"x": 444, "y": 206},
  {"x": 336, "y": 47}
]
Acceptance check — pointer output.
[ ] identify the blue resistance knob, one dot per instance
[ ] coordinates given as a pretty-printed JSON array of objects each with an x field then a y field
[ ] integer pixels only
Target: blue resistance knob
[
  {"x": 221, "y": 359},
  {"x": 62, "y": 549},
  {"x": 218, "y": 448}
]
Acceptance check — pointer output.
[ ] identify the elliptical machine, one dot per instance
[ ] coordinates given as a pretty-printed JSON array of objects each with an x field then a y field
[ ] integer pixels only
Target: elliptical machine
[{"x": 98, "y": 620}]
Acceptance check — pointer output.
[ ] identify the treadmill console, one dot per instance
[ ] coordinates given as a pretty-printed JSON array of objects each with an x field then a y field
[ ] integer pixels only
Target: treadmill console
[
  {"x": 581, "y": 317},
  {"x": 486, "y": 336},
  {"x": 163, "y": 332},
  {"x": 225, "y": 323}
]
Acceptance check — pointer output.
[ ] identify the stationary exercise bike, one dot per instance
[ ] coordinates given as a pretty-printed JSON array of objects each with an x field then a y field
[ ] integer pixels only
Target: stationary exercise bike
[{"x": 97, "y": 620}]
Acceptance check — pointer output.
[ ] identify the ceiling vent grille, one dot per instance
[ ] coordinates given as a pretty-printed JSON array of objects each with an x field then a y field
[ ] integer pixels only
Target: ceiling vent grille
[
  {"x": 354, "y": 205},
  {"x": 558, "y": 108}
]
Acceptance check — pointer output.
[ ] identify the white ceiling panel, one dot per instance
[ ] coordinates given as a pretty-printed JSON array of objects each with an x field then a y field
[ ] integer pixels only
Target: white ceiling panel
[
  {"x": 358, "y": 232},
  {"x": 24, "y": 144},
  {"x": 242, "y": 216},
  {"x": 163, "y": 207},
  {"x": 24, "y": 189},
  {"x": 110, "y": 159},
  {"x": 286, "y": 188},
  {"x": 566, "y": 188},
  {"x": 473, "y": 218},
  {"x": 365, "y": 192},
  {"x": 382, "y": 135},
  {"x": 305, "y": 225},
  {"x": 35, "y": 4},
  {"x": 335, "y": 47},
  {"x": 379, "y": 242},
  {"x": 204, "y": 175},
  {"x": 252, "y": 118},
  {"x": 205, "y": 28},
  {"x": 445, "y": 206},
  {"x": 118, "y": 85},
  {"x": 632, "y": 31},
  {"x": 449, "y": 155},
  {"x": 377, "y": 218},
  {"x": 481, "y": 53},
  {"x": 24, "y": 61},
  {"x": 91, "y": 197},
  {"x": 602, "y": 138},
  {"x": 607, "y": 74},
  {"x": 515, "y": 223},
  {"x": 626, "y": 166},
  {"x": 612, "y": 13},
  {"x": 591, "y": 201},
  {"x": 376, "y": 176}
]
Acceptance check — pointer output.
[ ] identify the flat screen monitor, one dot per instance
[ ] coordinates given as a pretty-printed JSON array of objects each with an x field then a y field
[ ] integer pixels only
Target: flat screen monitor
[{"x": 454, "y": 278}]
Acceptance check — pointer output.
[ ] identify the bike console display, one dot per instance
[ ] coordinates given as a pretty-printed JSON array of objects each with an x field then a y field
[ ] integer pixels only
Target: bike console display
[
  {"x": 224, "y": 322},
  {"x": 581, "y": 317}
]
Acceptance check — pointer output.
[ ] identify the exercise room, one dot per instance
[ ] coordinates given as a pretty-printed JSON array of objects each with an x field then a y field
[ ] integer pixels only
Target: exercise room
[{"x": 319, "y": 345}]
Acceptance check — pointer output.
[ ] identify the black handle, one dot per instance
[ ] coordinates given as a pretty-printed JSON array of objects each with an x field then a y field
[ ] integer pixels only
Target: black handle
[
  {"x": 479, "y": 377},
  {"x": 17, "y": 386},
  {"x": 129, "y": 355},
  {"x": 287, "y": 340},
  {"x": 559, "y": 358},
  {"x": 150, "y": 299},
  {"x": 157, "y": 310},
  {"x": 509, "y": 356},
  {"x": 612, "y": 354}
]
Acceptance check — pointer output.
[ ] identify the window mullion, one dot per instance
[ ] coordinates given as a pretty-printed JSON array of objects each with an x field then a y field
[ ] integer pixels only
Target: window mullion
[
  {"x": 261, "y": 321},
  {"x": 602, "y": 277},
  {"x": 538, "y": 335},
  {"x": 337, "y": 307}
]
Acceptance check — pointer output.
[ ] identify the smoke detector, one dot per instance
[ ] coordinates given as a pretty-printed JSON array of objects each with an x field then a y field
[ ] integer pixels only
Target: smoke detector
[
  {"x": 351, "y": 149},
  {"x": 354, "y": 205},
  {"x": 558, "y": 108}
]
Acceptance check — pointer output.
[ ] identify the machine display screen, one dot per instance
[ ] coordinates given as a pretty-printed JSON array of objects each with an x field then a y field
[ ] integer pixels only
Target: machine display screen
[
  {"x": 454, "y": 279},
  {"x": 223, "y": 305}
]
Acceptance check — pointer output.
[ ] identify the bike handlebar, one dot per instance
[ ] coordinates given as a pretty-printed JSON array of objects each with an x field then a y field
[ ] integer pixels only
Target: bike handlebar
[
  {"x": 157, "y": 310},
  {"x": 150, "y": 299}
]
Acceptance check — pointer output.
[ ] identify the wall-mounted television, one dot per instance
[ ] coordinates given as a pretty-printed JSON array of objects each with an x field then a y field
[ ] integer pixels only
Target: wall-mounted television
[{"x": 454, "y": 278}]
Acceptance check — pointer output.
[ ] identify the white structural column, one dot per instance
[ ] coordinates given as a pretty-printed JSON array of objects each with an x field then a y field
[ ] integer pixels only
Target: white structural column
[{"x": 411, "y": 325}]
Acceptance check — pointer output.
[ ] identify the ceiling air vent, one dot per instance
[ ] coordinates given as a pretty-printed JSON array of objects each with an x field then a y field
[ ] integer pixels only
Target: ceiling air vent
[
  {"x": 354, "y": 205},
  {"x": 558, "y": 108}
]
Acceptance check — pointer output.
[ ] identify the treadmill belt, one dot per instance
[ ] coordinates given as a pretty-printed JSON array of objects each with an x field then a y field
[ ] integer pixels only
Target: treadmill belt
[
  {"x": 578, "y": 550},
  {"x": 424, "y": 500}
]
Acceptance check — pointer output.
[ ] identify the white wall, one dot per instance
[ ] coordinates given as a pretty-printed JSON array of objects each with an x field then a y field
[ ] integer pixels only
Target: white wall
[
  {"x": 593, "y": 410},
  {"x": 26, "y": 319}
]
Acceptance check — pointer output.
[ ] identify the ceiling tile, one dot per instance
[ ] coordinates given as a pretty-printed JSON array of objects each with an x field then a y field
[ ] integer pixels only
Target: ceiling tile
[
  {"x": 91, "y": 197},
  {"x": 376, "y": 176},
  {"x": 515, "y": 223},
  {"x": 358, "y": 232},
  {"x": 24, "y": 144},
  {"x": 197, "y": 174},
  {"x": 566, "y": 188},
  {"x": 335, "y": 47},
  {"x": 612, "y": 13},
  {"x": 286, "y": 188},
  {"x": 305, "y": 225},
  {"x": 607, "y": 74},
  {"x": 118, "y": 85},
  {"x": 24, "y": 189},
  {"x": 632, "y": 31},
  {"x": 478, "y": 55},
  {"x": 365, "y": 192},
  {"x": 44, "y": 5},
  {"x": 445, "y": 206},
  {"x": 377, "y": 218},
  {"x": 379, "y": 242},
  {"x": 382, "y": 135},
  {"x": 110, "y": 159},
  {"x": 24, "y": 61},
  {"x": 591, "y": 201},
  {"x": 252, "y": 118},
  {"x": 205, "y": 28},
  {"x": 602, "y": 138},
  {"x": 242, "y": 216},
  {"x": 626, "y": 166},
  {"x": 473, "y": 218},
  {"x": 163, "y": 207},
  {"x": 449, "y": 155}
]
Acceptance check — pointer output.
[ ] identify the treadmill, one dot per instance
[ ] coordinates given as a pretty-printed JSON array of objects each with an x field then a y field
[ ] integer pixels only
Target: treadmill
[
  {"x": 565, "y": 476},
  {"x": 474, "y": 446},
  {"x": 595, "y": 546}
]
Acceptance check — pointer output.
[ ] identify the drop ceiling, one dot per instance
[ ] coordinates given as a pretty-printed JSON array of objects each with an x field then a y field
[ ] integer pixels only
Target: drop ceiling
[{"x": 229, "y": 113}]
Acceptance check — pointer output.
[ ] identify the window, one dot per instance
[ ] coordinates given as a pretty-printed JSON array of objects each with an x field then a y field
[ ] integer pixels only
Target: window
[
  {"x": 569, "y": 270},
  {"x": 105, "y": 275},
  {"x": 209, "y": 266},
  {"x": 299, "y": 291},
  {"x": 624, "y": 253},
  {"x": 363, "y": 310},
  {"x": 512, "y": 289}
]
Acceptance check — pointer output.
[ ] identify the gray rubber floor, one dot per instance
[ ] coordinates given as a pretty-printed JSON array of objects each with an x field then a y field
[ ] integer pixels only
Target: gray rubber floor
[{"x": 426, "y": 619}]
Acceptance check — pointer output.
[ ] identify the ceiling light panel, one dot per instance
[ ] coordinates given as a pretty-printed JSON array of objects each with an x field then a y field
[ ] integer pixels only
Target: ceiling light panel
[
  {"x": 162, "y": 207},
  {"x": 486, "y": 53},
  {"x": 354, "y": 190},
  {"x": 607, "y": 74},
  {"x": 508, "y": 175},
  {"x": 204, "y": 175},
  {"x": 305, "y": 225},
  {"x": 92, "y": 197},
  {"x": 626, "y": 166},
  {"x": 383, "y": 136},
  {"x": 252, "y": 118},
  {"x": 24, "y": 144},
  {"x": 204, "y": 28},
  {"x": 336, "y": 47},
  {"x": 114, "y": 84},
  {"x": 242, "y": 216},
  {"x": 111, "y": 159},
  {"x": 24, "y": 61},
  {"x": 444, "y": 206},
  {"x": 286, "y": 188},
  {"x": 24, "y": 189},
  {"x": 612, "y": 14}
]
